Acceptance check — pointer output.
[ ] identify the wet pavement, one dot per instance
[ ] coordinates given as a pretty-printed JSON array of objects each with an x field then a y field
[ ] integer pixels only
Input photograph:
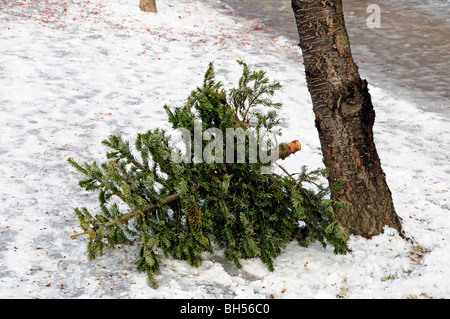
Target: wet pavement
[{"x": 409, "y": 55}]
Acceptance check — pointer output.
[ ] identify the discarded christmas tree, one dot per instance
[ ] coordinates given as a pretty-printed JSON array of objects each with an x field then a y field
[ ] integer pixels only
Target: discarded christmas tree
[{"x": 183, "y": 203}]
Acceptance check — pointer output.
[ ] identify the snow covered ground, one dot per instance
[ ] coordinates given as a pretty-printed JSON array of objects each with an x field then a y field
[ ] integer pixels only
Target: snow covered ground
[{"x": 71, "y": 73}]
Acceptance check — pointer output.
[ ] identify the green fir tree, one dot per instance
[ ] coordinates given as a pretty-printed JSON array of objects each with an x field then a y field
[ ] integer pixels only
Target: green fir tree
[{"x": 184, "y": 208}]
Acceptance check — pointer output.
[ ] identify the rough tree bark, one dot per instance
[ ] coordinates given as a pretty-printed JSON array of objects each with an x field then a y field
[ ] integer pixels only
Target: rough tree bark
[
  {"x": 148, "y": 5},
  {"x": 344, "y": 118}
]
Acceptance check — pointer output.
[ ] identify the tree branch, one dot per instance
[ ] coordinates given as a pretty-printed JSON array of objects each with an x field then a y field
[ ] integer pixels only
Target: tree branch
[{"x": 284, "y": 150}]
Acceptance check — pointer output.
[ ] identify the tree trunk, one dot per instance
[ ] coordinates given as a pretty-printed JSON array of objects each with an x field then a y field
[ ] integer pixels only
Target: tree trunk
[
  {"x": 148, "y": 5},
  {"x": 344, "y": 117}
]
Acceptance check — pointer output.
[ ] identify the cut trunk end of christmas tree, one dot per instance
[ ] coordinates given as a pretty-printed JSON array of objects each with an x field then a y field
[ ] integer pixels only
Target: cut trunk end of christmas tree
[{"x": 286, "y": 149}]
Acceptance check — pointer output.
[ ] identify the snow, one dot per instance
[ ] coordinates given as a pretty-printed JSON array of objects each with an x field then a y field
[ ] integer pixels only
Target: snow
[{"x": 72, "y": 73}]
